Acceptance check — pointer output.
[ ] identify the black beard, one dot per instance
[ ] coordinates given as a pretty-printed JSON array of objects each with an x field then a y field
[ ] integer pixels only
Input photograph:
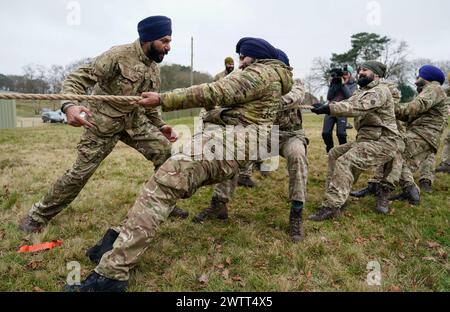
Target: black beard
[
  {"x": 229, "y": 70},
  {"x": 364, "y": 81},
  {"x": 154, "y": 55},
  {"x": 420, "y": 87}
]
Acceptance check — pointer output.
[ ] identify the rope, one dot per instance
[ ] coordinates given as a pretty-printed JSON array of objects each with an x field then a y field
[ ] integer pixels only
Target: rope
[
  {"x": 70, "y": 97},
  {"x": 75, "y": 97}
]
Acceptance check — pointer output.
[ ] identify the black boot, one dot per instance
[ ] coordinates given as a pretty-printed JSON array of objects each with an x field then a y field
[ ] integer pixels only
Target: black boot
[
  {"x": 97, "y": 283},
  {"x": 371, "y": 189},
  {"x": 218, "y": 209},
  {"x": 296, "y": 231},
  {"x": 325, "y": 213},
  {"x": 413, "y": 195},
  {"x": 383, "y": 199},
  {"x": 104, "y": 245},
  {"x": 179, "y": 213},
  {"x": 246, "y": 182},
  {"x": 443, "y": 168},
  {"x": 426, "y": 186},
  {"x": 410, "y": 193},
  {"x": 28, "y": 225}
]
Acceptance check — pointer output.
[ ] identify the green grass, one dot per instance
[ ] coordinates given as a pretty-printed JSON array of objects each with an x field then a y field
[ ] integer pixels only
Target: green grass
[{"x": 249, "y": 252}]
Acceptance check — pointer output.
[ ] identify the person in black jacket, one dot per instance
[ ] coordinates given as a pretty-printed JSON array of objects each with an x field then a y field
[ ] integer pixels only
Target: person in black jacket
[{"x": 339, "y": 91}]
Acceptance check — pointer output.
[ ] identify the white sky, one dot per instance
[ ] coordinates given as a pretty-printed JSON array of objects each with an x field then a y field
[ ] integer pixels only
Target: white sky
[{"x": 38, "y": 31}]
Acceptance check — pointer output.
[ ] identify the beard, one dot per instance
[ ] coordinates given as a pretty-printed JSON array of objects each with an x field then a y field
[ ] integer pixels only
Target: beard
[
  {"x": 229, "y": 69},
  {"x": 155, "y": 55},
  {"x": 420, "y": 85},
  {"x": 364, "y": 81}
]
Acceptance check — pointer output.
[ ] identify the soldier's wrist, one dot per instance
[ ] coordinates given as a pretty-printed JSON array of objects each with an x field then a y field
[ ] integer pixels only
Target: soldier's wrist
[{"x": 65, "y": 106}]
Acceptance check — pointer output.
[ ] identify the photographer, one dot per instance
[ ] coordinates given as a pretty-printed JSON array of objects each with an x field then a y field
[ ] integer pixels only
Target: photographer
[{"x": 342, "y": 86}]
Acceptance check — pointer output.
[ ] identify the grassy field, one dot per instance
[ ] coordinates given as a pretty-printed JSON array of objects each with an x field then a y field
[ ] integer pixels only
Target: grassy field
[{"x": 250, "y": 252}]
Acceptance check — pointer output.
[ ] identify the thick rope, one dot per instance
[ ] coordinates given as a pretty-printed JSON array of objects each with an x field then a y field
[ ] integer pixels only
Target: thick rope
[
  {"x": 75, "y": 97},
  {"x": 70, "y": 97}
]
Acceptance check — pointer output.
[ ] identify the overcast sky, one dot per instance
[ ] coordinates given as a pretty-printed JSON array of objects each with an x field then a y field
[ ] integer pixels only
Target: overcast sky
[{"x": 47, "y": 31}]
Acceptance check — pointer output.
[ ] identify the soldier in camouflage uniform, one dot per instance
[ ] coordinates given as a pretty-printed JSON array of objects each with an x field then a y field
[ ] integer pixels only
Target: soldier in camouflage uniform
[
  {"x": 247, "y": 98},
  {"x": 124, "y": 70},
  {"x": 229, "y": 67},
  {"x": 426, "y": 118},
  {"x": 292, "y": 146},
  {"x": 376, "y": 145},
  {"x": 392, "y": 176},
  {"x": 427, "y": 172}
]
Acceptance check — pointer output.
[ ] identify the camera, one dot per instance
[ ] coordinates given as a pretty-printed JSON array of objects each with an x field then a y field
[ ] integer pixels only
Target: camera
[{"x": 336, "y": 73}]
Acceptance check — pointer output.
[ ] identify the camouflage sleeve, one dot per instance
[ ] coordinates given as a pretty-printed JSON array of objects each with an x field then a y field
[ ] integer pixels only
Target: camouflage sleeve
[
  {"x": 356, "y": 105},
  {"x": 85, "y": 77},
  {"x": 155, "y": 117},
  {"x": 421, "y": 104},
  {"x": 297, "y": 94},
  {"x": 239, "y": 88}
]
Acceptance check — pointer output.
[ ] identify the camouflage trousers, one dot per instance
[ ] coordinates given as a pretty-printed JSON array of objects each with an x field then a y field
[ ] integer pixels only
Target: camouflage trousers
[
  {"x": 446, "y": 152},
  {"x": 417, "y": 151},
  {"x": 346, "y": 162},
  {"x": 95, "y": 145},
  {"x": 428, "y": 166},
  {"x": 293, "y": 149},
  {"x": 178, "y": 178}
]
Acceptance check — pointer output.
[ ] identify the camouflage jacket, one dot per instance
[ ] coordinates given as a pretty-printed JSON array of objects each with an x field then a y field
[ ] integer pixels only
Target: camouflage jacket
[
  {"x": 374, "y": 111},
  {"x": 427, "y": 114},
  {"x": 247, "y": 97},
  {"x": 123, "y": 70},
  {"x": 289, "y": 116}
]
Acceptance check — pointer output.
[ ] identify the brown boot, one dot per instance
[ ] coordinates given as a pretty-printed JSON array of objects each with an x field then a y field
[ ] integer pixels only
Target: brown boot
[
  {"x": 179, "y": 213},
  {"x": 28, "y": 225},
  {"x": 218, "y": 209},
  {"x": 296, "y": 231}
]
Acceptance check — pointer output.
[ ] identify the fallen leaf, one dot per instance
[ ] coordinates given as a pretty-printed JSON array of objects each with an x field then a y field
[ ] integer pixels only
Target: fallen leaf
[
  {"x": 226, "y": 274},
  {"x": 33, "y": 265},
  {"x": 204, "y": 279},
  {"x": 429, "y": 259},
  {"x": 401, "y": 256},
  {"x": 236, "y": 278},
  {"x": 228, "y": 260},
  {"x": 433, "y": 245},
  {"x": 442, "y": 254},
  {"x": 37, "y": 289},
  {"x": 308, "y": 275},
  {"x": 395, "y": 289},
  {"x": 360, "y": 240},
  {"x": 220, "y": 266}
]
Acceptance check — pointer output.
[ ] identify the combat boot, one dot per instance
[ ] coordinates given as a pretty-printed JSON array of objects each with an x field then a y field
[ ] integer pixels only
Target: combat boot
[
  {"x": 28, "y": 225},
  {"x": 443, "y": 168},
  {"x": 410, "y": 193},
  {"x": 325, "y": 213},
  {"x": 104, "y": 245},
  {"x": 371, "y": 189},
  {"x": 296, "y": 231},
  {"x": 383, "y": 199},
  {"x": 246, "y": 182},
  {"x": 426, "y": 186},
  {"x": 179, "y": 213},
  {"x": 97, "y": 283},
  {"x": 218, "y": 209}
]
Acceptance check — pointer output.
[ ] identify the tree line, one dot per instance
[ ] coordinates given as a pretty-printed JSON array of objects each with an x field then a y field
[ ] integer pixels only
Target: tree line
[
  {"x": 44, "y": 80},
  {"x": 371, "y": 46}
]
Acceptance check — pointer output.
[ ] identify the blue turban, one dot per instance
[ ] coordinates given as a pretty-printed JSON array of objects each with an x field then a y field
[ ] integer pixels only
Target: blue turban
[
  {"x": 432, "y": 73},
  {"x": 283, "y": 57},
  {"x": 154, "y": 27},
  {"x": 256, "y": 48}
]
